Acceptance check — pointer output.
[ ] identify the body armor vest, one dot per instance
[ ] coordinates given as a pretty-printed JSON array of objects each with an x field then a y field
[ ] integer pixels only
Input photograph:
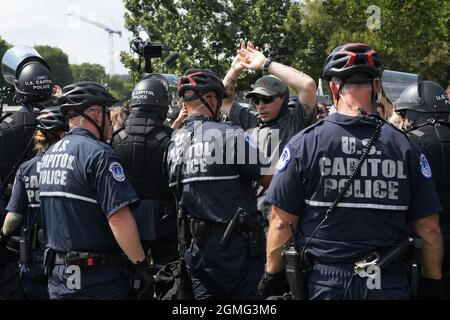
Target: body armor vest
[
  {"x": 434, "y": 138},
  {"x": 16, "y": 133},
  {"x": 140, "y": 147}
]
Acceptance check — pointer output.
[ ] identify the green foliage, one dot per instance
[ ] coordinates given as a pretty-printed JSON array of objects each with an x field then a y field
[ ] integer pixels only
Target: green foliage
[
  {"x": 413, "y": 35},
  {"x": 119, "y": 88},
  {"x": 59, "y": 64},
  {"x": 207, "y": 33},
  {"x": 88, "y": 72}
]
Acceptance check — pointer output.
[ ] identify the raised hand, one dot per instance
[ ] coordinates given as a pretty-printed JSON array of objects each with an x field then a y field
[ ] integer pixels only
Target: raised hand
[{"x": 252, "y": 58}]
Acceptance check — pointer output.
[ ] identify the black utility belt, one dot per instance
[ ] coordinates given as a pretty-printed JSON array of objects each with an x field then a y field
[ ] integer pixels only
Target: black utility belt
[
  {"x": 198, "y": 226},
  {"x": 88, "y": 260}
]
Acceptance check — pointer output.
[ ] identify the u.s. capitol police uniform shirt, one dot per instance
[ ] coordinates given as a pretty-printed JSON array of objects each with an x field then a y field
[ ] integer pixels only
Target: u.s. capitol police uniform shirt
[
  {"x": 25, "y": 193},
  {"x": 393, "y": 189},
  {"x": 218, "y": 170},
  {"x": 82, "y": 184}
]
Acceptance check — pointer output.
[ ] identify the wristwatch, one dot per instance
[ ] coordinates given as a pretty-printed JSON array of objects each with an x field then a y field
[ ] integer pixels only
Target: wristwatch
[{"x": 267, "y": 64}]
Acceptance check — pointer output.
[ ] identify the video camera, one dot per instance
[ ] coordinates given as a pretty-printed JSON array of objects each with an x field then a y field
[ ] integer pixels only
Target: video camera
[{"x": 143, "y": 46}]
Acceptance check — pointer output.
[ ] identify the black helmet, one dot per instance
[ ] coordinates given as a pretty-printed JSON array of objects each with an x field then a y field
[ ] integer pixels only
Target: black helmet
[
  {"x": 151, "y": 94},
  {"x": 33, "y": 83},
  {"x": 52, "y": 120},
  {"x": 350, "y": 59},
  {"x": 200, "y": 81},
  {"x": 81, "y": 95},
  {"x": 427, "y": 97}
]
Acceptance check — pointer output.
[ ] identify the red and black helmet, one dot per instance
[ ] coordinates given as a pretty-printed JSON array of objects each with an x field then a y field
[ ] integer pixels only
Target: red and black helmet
[
  {"x": 350, "y": 59},
  {"x": 200, "y": 81}
]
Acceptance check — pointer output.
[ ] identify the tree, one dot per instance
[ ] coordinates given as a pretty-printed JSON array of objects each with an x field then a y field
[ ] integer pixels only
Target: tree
[
  {"x": 413, "y": 35},
  {"x": 88, "y": 72},
  {"x": 207, "y": 33},
  {"x": 121, "y": 89},
  {"x": 58, "y": 62}
]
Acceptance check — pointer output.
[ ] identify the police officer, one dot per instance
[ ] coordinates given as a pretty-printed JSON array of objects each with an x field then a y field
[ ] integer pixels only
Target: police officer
[
  {"x": 23, "y": 207},
  {"x": 210, "y": 170},
  {"x": 342, "y": 227},
  {"x": 426, "y": 109},
  {"x": 33, "y": 88},
  {"x": 25, "y": 69},
  {"x": 140, "y": 147},
  {"x": 85, "y": 198}
]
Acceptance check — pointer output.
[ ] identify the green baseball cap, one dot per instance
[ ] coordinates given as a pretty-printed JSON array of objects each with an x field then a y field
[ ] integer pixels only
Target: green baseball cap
[{"x": 268, "y": 86}]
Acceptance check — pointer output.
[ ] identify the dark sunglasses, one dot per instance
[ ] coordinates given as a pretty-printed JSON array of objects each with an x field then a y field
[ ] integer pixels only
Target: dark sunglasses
[{"x": 265, "y": 100}]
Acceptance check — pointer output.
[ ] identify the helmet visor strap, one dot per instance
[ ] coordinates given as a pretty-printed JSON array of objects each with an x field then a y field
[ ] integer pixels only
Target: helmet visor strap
[
  {"x": 101, "y": 128},
  {"x": 213, "y": 113}
]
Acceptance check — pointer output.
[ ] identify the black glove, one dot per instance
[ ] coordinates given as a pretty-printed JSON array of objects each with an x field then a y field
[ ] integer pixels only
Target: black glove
[
  {"x": 143, "y": 272},
  {"x": 431, "y": 289},
  {"x": 273, "y": 284}
]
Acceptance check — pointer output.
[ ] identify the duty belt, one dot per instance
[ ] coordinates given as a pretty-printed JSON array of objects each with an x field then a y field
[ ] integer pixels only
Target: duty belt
[
  {"x": 213, "y": 227},
  {"x": 88, "y": 260},
  {"x": 201, "y": 229}
]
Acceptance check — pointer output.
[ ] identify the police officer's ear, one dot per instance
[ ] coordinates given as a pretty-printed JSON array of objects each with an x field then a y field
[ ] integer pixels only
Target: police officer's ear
[{"x": 334, "y": 89}]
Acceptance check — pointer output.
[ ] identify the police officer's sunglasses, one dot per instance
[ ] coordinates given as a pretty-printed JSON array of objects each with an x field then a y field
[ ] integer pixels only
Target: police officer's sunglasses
[
  {"x": 265, "y": 100},
  {"x": 107, "y": 111}
]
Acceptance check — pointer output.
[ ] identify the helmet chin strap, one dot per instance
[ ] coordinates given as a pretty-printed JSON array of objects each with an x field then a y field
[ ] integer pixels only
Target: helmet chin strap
[
  {"x": 100, "y": 129},
  {"x": 214, "y": 114},
  {"x": 361, "y": 111}
]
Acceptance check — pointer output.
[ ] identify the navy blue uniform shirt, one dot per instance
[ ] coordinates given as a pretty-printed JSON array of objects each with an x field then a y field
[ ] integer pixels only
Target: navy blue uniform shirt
[
  {"x": 219, "y": 168},
  {"x": 394, "y": 187},
  {"x": 25, "y": 193},
  {"x": 82, "y": 184}
]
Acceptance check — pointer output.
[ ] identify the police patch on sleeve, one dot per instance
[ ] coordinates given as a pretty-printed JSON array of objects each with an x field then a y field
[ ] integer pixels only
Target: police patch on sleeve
[
  {"x": 284, "y": 160},
  {"x": 117, "y": 171},
  {"x": 425, "y": 168}
]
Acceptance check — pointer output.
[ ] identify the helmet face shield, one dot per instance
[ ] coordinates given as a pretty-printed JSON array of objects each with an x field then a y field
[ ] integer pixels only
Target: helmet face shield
[
  {"x": 395, "y": 82},
  {"x": 15, "y": 58}
]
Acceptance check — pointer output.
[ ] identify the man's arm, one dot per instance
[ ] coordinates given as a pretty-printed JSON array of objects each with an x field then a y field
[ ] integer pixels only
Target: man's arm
[
  {"x": 303, "y": 84},
  {"x": 279, "y": 234},
  {"x": 125, "y": 232},
  {"x": 12, "y": 222},
  {"x": 432, "y": 246},
  {"x": 230, "y": 82}
]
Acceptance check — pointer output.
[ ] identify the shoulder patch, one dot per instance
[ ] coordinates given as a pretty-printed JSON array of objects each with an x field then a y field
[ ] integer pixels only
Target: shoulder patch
[
  {"x": 117, "y": 171},
  {"x": 284, "y": 160},
  {"x": 425, "y": 168}
]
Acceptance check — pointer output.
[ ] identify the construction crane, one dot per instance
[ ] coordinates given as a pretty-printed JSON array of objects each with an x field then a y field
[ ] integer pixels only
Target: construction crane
[{"x": 111, "y": 33}]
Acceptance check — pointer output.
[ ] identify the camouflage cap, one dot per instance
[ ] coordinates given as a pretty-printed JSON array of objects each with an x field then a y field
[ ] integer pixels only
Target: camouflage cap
[{"x": 268, "y": 86}]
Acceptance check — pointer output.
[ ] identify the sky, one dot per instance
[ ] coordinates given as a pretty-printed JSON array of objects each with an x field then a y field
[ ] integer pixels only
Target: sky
[{"x": 45, "y": 22}]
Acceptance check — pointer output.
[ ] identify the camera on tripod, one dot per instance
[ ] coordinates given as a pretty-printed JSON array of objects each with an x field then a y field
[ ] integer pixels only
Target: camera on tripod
[{"x": 143, "y": 46}]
